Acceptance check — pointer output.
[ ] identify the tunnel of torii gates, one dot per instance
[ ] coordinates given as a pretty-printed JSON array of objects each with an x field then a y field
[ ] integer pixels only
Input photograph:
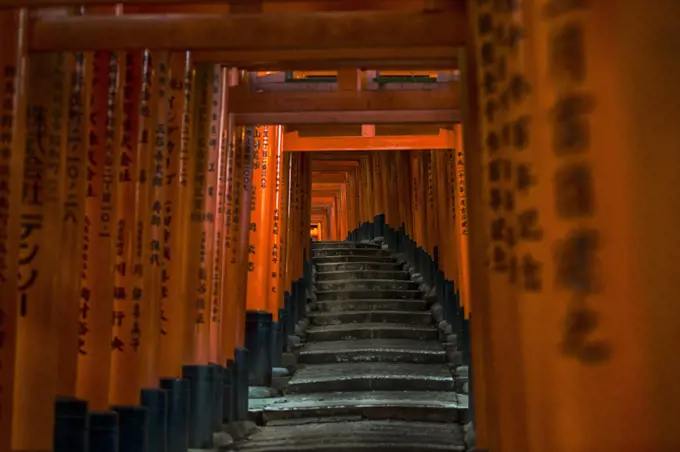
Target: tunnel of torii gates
[{"x": 149, "y": 200}]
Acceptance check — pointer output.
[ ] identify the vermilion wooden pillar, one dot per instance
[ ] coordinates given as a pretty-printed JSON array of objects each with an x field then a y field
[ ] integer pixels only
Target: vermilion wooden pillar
[
  {"x": 276, "y": 195},
  {"x": 260, "y": 233},
  {"x": 284, "y": 225},
  {"x": 176, "y": 207},
  {"x": 209, "y": 264},
  {"x": 13, "y": 26},
  {"x": 95, "y": 330}
]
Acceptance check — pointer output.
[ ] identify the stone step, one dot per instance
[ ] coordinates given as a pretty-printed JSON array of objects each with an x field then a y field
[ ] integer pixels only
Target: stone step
[
  {"x": 431, "y": 406},
  {"x": 344, "y": 245},
  {"x": 368, "y": 376},
  {"x": 367, "y": 284},
  {"x": 371, "y": 305},
  {"x": 323, "y": 295},
  {"x": 320, "y": 252},
  {"x": 377, "y": 436},
  {"x": 403, "y": 317},
  {"x": 373, "y": 350},
  {"x": 347, "y": 331},
  {"x": 328, "y": 267},
  {"x": 350, "y": 258},
  {"x": 346, "y": 275}
]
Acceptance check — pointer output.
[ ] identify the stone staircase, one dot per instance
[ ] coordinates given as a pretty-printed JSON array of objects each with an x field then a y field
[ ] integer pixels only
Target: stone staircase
[{"x": 372, "y": 372}]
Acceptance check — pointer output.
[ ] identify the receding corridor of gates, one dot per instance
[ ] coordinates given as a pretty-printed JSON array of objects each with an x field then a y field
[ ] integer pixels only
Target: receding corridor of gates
[{"x": 332, "y": 225}]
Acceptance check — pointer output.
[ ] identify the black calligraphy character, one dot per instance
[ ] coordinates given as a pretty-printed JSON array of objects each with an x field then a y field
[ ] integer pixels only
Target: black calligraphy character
[{"x": 574, "y": 191}]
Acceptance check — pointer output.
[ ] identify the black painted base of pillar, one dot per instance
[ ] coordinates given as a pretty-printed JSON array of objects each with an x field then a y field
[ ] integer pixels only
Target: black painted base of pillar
[
  {"x": 241, "y": 362},
  {"x": 177, "y": 432},
  {"x": 276, "y": 344},
  {"x": 258, "y": 342},
  {"x": 156, "y": 403},
  {"x": 70, "y": 425},
  {"x": 228, "y": 413},
  {"x": 218, "y": 396},
  {"x": 103, "y": 435},
  {"x": 200, "y": 405},
  {"x": 133, "y": 427}
]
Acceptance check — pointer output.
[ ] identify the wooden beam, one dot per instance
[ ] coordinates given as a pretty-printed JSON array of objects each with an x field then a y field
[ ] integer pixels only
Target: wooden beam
[
  {"x": 351, "y": 117},
  {"x": 329, "y": 177},
  {"x": 292, "y": 142},
  {"x": 50, "y": 3},
  {"x": 384, "y": 58},
  {"x": 325, "y": 31},
  {"x": 242, "y": 101}
]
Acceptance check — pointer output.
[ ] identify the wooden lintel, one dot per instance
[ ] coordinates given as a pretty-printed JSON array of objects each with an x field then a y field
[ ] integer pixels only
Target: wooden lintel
[
  {"x": 326, "y": 187},
  {"x": 242, "y": 101},
  {"x": 292, "y": 142},
  {"x": 385, "y": 58},
  {"x": 328, "y": 177},
  {"x": 325, "y": 31},
  {"x": 50, "y": 3},
  {"x": 351, "y": 117}
]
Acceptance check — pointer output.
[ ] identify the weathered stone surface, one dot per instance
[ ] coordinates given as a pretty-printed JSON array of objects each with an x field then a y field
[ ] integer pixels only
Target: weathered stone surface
[
  {"x": 371, "y": 305},
  {"x": 280, "y": 383},
  {"x": 328, "y": 244},
  {"x": 351, "y": 258},
  {"x": 363, "y": 274},
  {"x": 373, "y": 350},
  {"x": 371, "y": 330},
  {"x": 436, "y": 406},
  {"x": 222, "y": 440},
  {"x": 438, "y": 312},
  {"x": 289, "y": 360},
  {"x": 445, "y": 327},
  {"x": 349, "y": 266},
  {"x": 280, "y": 372},
  {"x": 320, "y": 252},
  {"x": 294, "y": 341},
  {"x": 370, "y": 351},
  {"x": 376, "y": 436},
  {"x": 239, "y": 430},
  {"x": 368, "y": 294},
  {"x": 261, "y": 392},
  {"x": 404, "y": 317},
  {"x": 371, "y": 377},
  {"x": 367, "y": 284}
]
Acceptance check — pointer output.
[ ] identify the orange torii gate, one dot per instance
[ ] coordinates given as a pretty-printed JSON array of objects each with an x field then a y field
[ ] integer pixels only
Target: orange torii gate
[{"x": 115, "y": 143}]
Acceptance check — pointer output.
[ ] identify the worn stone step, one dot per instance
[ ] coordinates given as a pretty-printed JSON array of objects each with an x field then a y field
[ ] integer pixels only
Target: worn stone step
[
  {"x": 432, "y": 406},
  {"x": 373, "y": 350},
  {"x": 403, "y": 317},
  {"x": 367, "y": 284},
  {"x": 376, "y": 436},
  {"x": 346, "y": 275},
  {"x": 371, "y": 305},
  {"x": 368, "y": 376},
  {"x": 327, "y": 267},
  {"x": 351, "y": 258},
  {"x": 321, "y": 252},
  {"x": 366, "y": 294},
  {"x": 347, "y": 331},
  {"x": 345, "y": 245}
]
